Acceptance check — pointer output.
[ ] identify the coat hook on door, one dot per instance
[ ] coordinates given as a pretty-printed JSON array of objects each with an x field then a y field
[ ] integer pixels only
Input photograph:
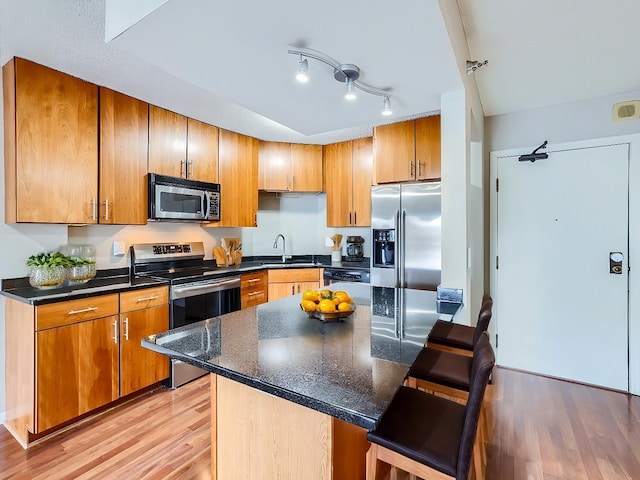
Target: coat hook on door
[{"x": 533, "y": 156}]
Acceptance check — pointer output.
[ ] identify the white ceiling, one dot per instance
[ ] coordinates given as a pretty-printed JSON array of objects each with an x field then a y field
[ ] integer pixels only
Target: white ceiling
[{"x": 225, "y": 62}]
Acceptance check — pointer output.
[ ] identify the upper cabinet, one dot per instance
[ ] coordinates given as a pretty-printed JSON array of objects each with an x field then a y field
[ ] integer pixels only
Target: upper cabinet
[
  {"x": 408, "y": 151},
  {"x": 290, "y": 167},
  {"x": 348, "y": 174},
  {"x": 238, "y": 170},
  {"x": 124, "y": 143},
  {"x": 51, "y": 145},
  {"x": 182, "y": 147}
]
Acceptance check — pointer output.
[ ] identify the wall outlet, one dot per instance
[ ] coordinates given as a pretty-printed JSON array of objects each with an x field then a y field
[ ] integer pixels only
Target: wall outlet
[{"x": 119, "y": 249}]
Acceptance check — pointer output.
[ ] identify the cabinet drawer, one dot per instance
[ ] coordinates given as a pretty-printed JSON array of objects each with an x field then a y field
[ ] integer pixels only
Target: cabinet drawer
[
  {"x": 253, "y": 280},
  {"x": 139, "y": 299},
  {"x": 253, "y": 297},
  {"x": 73, "y": 311},
  {"x": 294, "y": 275}
]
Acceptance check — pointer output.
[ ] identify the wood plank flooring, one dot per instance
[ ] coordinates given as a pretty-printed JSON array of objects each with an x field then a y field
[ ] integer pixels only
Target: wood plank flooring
[{"x": 542, "y": 429}]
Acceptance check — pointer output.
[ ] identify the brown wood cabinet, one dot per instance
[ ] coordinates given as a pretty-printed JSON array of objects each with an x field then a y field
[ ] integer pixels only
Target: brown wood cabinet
[
  {"x": 290, "y": 167},
  {"x": 68, "y": 358},
  {"x": 143, "y": 313},
  {"x": 238, "y": 169},
  {"x": 181, "y": 146},
  {"x": 292, "y": 281},
  {"x": 124, "y": 144},
  {"x": 408, "y": 151},
  {"x": 51, "y": 145},
  {"x": 253, "y": 289},
  {"x": 348, "y": 174}
]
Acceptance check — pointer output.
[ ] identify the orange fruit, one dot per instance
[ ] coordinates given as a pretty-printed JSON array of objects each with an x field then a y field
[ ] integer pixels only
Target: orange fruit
[
  {"x": 325, "y": 293},
  {"x": 343, "y": 297},
  {"x": 308, "y": 305},
  {"x": 344, "y": 307},
  {"x": 310, "y": 295},
  {"x": 327, "y": 306}
]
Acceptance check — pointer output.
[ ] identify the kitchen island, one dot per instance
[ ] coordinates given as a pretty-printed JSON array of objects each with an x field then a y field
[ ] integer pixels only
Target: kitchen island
[{"x": 292, "y": 396}]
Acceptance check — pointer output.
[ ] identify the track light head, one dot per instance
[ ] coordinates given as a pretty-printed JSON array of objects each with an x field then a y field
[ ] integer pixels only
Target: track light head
[
  {"x": 350, "y": 93},
  {"x": 303, "y": 68},
  {"x": 387, "y": 107}
]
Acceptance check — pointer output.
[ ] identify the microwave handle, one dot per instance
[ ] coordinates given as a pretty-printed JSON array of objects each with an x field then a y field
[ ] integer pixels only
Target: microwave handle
[{"x": 207, "y": 205}]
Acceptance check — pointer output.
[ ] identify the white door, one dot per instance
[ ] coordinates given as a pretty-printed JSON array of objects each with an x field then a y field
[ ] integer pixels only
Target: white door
[{"x": 559, "y": 310}]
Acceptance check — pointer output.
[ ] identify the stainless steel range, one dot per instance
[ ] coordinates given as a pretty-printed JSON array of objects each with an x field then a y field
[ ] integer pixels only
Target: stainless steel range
[{"x": 197, "y": 291}]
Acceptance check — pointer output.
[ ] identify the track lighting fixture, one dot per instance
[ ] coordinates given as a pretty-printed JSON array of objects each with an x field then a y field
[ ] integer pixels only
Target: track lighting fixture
[
  {"x": 351, "y": 94},
  {"x": 346, "y": 73},
  {"x": 303, "y": 69},
  {"x": 387, "y": 107}
]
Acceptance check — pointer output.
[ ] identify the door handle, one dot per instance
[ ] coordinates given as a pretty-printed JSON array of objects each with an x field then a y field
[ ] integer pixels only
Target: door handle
[{"x": 615, "y": 263}]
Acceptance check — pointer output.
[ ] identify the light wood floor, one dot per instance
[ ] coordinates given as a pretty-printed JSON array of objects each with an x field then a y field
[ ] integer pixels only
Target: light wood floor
[{"x": 543, "y": 429}]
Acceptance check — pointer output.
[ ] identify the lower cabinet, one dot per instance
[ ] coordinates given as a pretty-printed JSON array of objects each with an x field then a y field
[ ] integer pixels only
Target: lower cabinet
[
  {"x": 253, "y": 289},
  {"x": 292, "y": 281},
  {"x": 68, "y": 358}
]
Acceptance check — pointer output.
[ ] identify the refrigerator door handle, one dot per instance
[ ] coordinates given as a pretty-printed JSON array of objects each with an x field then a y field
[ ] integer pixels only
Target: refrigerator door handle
[
  {"x": 396, "y": 253},
  {"x": 403, "y": 227}
]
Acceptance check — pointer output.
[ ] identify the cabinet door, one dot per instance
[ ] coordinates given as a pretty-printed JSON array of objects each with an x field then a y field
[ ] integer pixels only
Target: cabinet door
[
  {"x": 167, "y": 142},
  {"x": 76, "y": 370},
  {"x": 202, "y": 151},
  {"x": 238, "y": 160},
  {"x": 306, "y": 168},
  {"x": 281, "y": 290},
  {"x": 55, "y": 175},
  {"x": 428, "y": 148},
  {"x": 301, "y": 287},
  {"x": 124, "y": 146},
  {"x": 274, "y": 166},
  {"x": 139, "y": 366},
  {"x": 395, "y": 152},
  {"x": 362, "y": 179},
  {"x": 338, "y": 184}
]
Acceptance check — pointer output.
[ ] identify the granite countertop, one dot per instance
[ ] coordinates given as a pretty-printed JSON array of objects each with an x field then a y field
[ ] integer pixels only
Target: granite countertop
[
  {"x": 118, "y": 280},
  {"x": 349, "y": 369}
]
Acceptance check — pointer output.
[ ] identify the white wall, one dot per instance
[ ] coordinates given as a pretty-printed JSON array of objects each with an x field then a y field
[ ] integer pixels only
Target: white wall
[{"x": 587, "y": 122}]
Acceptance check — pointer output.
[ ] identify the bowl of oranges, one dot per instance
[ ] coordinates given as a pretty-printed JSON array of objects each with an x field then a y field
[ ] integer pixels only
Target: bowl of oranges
[{"x": 326, "y": 305}]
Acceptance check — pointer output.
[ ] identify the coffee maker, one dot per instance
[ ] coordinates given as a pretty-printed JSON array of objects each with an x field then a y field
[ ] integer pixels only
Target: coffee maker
[{"x": 355, "y": 250}]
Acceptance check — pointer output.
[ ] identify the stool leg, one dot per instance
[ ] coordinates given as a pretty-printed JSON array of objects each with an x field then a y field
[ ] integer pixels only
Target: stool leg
[{"x": 375, "y": 469}]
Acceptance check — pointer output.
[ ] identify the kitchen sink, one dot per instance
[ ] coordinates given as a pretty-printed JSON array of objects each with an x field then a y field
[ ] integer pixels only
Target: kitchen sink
[{"x": 290, "y": 264}]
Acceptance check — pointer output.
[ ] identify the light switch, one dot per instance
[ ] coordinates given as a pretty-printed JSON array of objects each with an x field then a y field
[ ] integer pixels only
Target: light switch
[{"x": 119, "y": 248}]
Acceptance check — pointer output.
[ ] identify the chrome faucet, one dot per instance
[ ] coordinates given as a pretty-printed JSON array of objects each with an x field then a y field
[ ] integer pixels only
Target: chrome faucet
[{"x": 284, "y": 248}]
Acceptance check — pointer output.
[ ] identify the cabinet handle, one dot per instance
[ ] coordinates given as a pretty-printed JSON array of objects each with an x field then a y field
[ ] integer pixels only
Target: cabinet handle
[
  {"x": 147, "y": 299},
  {"x": 293, "y": 289},
  {"x": 419, "y": 170},
  {"x": 251, "y": 294},
  {"x": 293, "y": 182},
  {"x": 84, "y": 310},
  {"x": 189, "y": 174},
  {"x": 126, "y": 328},
  {"x": 94, "y": 209},
  {"x": 286, "y": 187},
  {"x": 349, "y": 217},
  {"x": 253, "y": 280},
  {"x": 411, "y": 169},
  {"x": 106, "y": 209},
  {"x": 355, "y": 217},
  {"x": 182, "y": 162},
  {"x": 115, "y": 331}
]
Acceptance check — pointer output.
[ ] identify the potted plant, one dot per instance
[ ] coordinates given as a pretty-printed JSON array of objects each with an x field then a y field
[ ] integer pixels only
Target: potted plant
[
  {"x": 80, "y": 270},
  {"x": 48, "y": 270}
]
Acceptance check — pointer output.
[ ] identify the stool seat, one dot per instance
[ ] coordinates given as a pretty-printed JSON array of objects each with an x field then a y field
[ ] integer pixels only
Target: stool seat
[
  {"x": 452, "y": 335},
  {"x": 443, "y": 368},
  {"x": 407, "y": 427}
]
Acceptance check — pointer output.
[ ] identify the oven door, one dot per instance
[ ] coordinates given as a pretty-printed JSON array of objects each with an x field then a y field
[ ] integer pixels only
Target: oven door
[{"x": 194, "y": 302}]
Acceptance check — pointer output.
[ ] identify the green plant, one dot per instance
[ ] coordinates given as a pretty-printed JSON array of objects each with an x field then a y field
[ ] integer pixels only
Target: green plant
[
  {"x": 77, "y": 261},
  {"x": 49, "y": 260}
]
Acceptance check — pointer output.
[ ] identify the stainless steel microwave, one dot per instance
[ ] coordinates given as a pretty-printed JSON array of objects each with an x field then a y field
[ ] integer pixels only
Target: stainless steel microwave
[{"x": 181, "y": 199}]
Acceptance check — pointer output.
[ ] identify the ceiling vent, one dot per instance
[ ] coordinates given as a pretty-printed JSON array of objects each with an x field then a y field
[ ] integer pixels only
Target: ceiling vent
[{"x": 626, "y": 110}]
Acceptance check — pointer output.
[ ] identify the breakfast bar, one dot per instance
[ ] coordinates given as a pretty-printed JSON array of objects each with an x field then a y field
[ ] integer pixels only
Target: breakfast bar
[{"x": 293, "y": 396}]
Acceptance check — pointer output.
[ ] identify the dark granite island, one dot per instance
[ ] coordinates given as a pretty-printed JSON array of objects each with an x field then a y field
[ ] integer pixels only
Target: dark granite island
[{"x": 292, "y": 397}]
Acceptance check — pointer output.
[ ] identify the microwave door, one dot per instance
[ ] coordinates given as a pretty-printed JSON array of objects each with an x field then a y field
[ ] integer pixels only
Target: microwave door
[{"x": 178, "y": 203}]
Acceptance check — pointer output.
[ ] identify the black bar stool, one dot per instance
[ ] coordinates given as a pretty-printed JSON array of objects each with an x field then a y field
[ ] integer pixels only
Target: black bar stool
[{"x": 429, "y": 436}]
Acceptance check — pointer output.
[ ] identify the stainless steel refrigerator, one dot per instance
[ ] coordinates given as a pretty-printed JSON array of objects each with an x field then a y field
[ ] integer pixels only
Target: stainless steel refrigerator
[{"x": 406, "y": 235}]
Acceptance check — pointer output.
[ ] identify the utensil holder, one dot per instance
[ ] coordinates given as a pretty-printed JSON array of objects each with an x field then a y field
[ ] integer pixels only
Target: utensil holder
[{"x": 336, "y": 256}]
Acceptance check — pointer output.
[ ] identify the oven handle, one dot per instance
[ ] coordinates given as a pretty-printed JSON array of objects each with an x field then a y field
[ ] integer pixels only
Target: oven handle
[{"x": 201, "y": 289}]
